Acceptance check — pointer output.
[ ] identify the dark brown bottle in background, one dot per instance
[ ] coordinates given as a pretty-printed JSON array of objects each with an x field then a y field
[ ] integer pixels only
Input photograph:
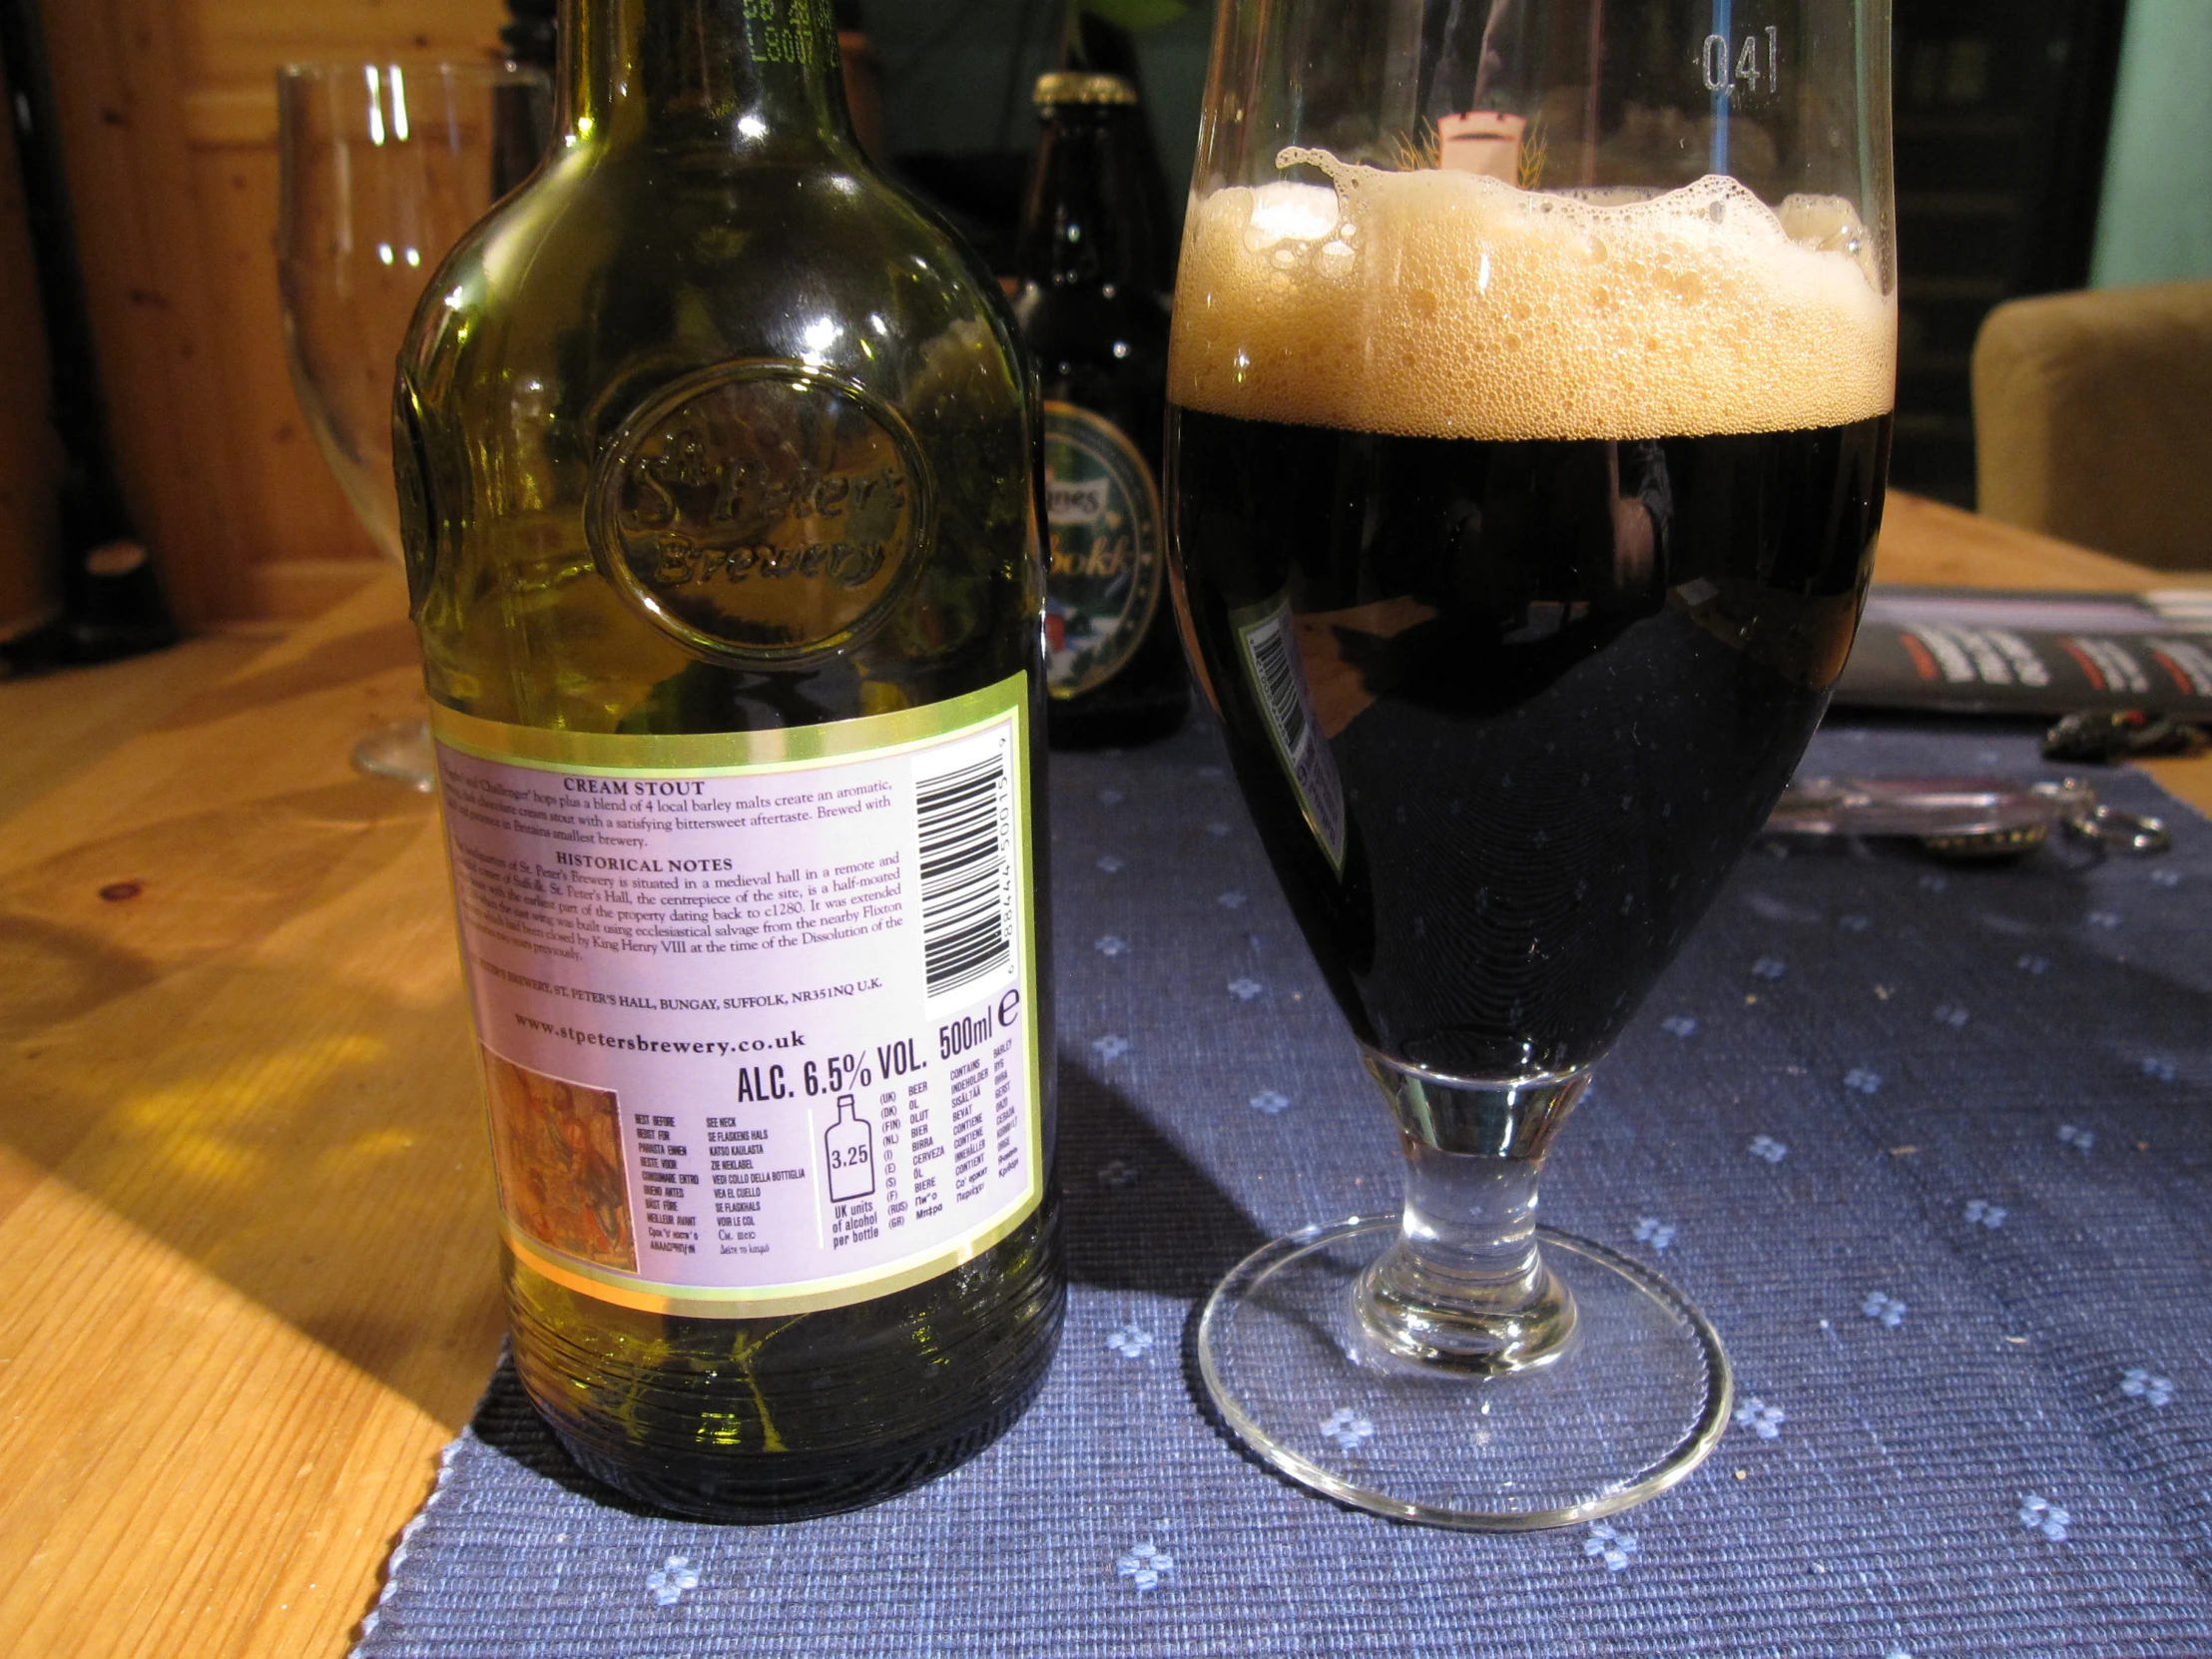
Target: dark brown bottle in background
[
  {"x": 112, "y": 603},
  {"x": 1091, "y": 311},
  {"x": 523, "y": 114}
]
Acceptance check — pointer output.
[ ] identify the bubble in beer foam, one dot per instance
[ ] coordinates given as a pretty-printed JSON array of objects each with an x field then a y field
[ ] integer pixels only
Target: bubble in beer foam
[{"x": 1435, "y": 303}]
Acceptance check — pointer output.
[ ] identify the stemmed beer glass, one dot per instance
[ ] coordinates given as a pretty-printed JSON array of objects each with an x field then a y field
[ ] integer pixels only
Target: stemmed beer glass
[
  {"x": 1532, "y": 387},
  {"x": 383, "y": 167}
]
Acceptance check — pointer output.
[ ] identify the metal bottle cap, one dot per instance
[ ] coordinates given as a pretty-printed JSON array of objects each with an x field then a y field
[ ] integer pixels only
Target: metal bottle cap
[{"x": 1069, "y": 86}]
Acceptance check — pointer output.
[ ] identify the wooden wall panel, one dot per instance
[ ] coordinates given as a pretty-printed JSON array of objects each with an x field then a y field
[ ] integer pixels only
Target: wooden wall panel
[
  {"x": 169, "y": 118},
  {"x": 119, "y": 90},
  {"x": 243, "y": 41},
  {"x": 308, "y": 546}
]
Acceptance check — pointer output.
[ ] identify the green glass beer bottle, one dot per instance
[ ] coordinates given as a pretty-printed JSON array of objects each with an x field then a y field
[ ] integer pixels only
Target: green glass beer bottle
[
  {"x": 715, "y": 456},
  {"x": 1095, "y": 322}
]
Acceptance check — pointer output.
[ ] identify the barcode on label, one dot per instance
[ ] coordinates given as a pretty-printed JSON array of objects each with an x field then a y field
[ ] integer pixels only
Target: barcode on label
[
  {"x": 1272, "y": 654},
  {"x": 963, "y": 819}
]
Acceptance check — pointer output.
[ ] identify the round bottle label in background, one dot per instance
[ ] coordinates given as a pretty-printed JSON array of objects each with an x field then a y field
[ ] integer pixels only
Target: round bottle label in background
[{"x": 1102, "y": 512}]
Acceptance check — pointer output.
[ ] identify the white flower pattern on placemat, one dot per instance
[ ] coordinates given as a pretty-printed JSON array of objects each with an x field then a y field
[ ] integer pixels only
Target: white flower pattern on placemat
[
  {"x": 1270, "y": 1101},
  {"x": 1770, "y": 967},
  {"x": 1609, "y": 1545},
  {"x": 2081, "y": 1140},
  {"x": 1245, "y": 989},
  {"x": 1880, "y": 1305},
  {"x": 1131, "y": 1340},
  {"x": 2040, "y": 1515},
  {"x": 1347, "y": 1430},
  {"x": 1145, "y": 1565},
  {"x": 2137, "y": 1382},
  {"x": 1767, "y": 1149},
  {"x": 1680, "y": 1025},
  {"x": 1112, "y": 1047},
  {"x": 1761, "y": 1418},
  {"x": 1950, "y": 1014},
  {"x": 1117, "y": 1173},
  {"x": 1863, "y": 1081},
  {"x": 1111, "y": 944},
  {"x": 1982, "y": 1212},
  {"x": 1652, "y": 1231},
  {"x": 1113, "y": 865},
  {"x": 670, "y": 1581}
]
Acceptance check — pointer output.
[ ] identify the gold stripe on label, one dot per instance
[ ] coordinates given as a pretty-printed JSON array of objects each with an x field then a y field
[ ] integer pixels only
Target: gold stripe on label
[
  {"x": 633, "y": 754},
  {"x": 770, "y": 1301}
]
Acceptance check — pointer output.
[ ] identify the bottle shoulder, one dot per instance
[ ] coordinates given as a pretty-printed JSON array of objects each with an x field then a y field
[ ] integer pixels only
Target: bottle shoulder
[{"x": 607, "y": 268}]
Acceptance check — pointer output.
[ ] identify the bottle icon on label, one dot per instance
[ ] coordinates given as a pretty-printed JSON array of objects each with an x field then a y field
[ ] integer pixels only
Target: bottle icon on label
[{"x": 849, "y": 1153}]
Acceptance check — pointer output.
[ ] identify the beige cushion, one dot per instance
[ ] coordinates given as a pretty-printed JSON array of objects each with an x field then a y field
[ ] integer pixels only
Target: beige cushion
[{"x": 2092, "y": 419}]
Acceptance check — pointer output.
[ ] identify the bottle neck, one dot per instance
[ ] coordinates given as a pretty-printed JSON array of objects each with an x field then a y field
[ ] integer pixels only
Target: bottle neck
[
  {"x": 753, "y": 75},
  {"x": 1088, "y": 221}
]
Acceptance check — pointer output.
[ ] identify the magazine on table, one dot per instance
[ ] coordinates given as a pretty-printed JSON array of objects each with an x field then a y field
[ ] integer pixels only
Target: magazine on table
[{"x": 1983, "y": 651}]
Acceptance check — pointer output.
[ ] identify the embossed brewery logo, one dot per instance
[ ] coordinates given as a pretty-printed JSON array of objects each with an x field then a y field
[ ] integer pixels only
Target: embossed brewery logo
[{"x": 761, "y": 510}]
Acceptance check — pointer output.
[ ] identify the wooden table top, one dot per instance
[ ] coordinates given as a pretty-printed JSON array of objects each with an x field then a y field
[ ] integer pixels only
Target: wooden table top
[{"x": 245, "y": 1207}]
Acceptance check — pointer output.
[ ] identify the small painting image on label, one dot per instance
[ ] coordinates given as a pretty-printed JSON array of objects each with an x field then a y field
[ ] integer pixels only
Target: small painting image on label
[
  {"x": 557, "y": 1147},
  {"x": 1102, "y": 509}
]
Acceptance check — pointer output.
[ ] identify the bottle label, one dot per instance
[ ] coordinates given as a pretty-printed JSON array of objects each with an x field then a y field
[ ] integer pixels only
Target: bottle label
[
  {"x": 756, "y": 1009},
  {"x": 762, "y": 512},
  {"x": 1102, "y": 508}
]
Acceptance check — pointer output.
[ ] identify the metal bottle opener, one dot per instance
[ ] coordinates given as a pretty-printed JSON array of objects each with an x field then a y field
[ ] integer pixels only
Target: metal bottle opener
[{"x": 1962, "y": 817}]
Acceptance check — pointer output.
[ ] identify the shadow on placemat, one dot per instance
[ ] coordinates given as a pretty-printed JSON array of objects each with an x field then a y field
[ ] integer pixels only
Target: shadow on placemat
[
  {"x": 1196, "y": 1233},
  {"x": 1193, "y": 1232}
]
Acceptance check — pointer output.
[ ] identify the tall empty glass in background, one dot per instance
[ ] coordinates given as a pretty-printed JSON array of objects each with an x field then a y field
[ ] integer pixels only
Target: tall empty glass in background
[
  {"x": 384, "y": 166},
  {"x": 1530, "y": 394}
]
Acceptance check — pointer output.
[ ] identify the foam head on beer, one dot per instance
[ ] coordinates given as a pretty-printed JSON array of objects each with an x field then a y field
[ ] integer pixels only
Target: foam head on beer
[{"x": 1434, "y": 303}]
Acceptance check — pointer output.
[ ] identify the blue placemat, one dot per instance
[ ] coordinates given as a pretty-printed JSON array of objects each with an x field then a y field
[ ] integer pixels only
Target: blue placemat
[{"x": 1929, "y": 1144}]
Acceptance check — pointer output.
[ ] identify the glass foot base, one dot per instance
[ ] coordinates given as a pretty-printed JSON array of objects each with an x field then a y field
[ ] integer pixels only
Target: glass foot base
[
  {"x": 401, "y": 751},
  {"x": 1636, "y": 1401}
]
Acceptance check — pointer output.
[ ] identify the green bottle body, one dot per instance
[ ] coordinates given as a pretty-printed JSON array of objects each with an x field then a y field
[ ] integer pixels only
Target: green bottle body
[{"x": 704, "y": 217}]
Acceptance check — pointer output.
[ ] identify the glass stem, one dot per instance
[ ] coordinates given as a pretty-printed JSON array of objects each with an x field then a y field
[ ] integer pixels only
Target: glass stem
[{"x": 1465, "y": 1287}]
